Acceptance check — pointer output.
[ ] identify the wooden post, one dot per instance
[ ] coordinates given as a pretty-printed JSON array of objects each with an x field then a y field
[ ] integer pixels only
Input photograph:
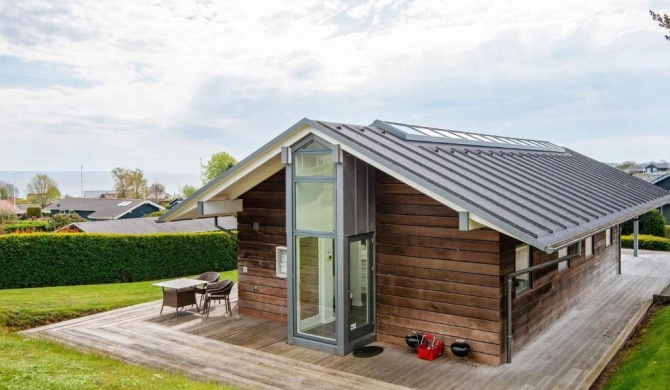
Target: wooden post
[{"x": 636, "y": 229}]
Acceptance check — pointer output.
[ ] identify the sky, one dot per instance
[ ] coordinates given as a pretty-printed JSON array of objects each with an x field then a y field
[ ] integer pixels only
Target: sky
[{"x": 158, "y": 85}]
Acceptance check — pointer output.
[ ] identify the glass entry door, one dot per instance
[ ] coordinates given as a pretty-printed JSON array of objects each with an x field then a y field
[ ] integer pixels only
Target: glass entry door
[
  {"x": 361, "y": 289},
  {"x": 315, "y": 273}
]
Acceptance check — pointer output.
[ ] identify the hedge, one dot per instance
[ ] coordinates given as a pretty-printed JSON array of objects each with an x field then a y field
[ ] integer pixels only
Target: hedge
[
  {"x": 36, "y": 226},
  {"x": 651, "y": 243},
  {"x": 651, "y": 223},
  {"x": 44, "y": 259}
]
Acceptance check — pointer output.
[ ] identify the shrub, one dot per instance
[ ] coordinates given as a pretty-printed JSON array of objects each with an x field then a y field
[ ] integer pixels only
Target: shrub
[
  {"x": 651, "y": 243},
  {"x": 667, "y": 231},
  {"x": 156, "y": 213},
  {"x": 26, "y": 227},
  {"x": 7, "y": 216},
  {"x": 33, "y": 212},
  {"x": 62, "y": 219},
  {"x": 651, "y": 223},
  {"x": 45, "y": 259}
]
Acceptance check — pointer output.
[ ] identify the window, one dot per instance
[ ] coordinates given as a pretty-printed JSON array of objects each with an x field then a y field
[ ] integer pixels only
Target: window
[
  {"x": 608, "y": 237},
  {"x": 281, "y": 266},
  {"x": 522, "y": 262},
  {"x": 588, "y": 246},
  {"x": 563, "y": 265}
]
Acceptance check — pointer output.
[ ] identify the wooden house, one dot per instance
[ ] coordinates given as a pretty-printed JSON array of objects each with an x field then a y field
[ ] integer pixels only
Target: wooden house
[
  {"x": 96, "y": 209},
  {"x": 354, "y": 234}
]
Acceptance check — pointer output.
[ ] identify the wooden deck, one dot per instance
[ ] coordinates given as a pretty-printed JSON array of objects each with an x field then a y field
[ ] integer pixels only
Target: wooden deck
[{"x": 252, "y": 353}]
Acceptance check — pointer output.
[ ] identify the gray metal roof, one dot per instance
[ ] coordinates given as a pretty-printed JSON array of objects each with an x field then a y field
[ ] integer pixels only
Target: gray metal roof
[
  {"x": 542, "y": 194},
  {"x": 102, "y": 208},
  {"x": 550, "y": 197},
  {"x": 149, "y": 226}
]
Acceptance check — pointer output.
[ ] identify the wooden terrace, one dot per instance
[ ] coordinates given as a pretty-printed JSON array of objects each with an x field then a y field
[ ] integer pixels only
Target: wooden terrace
[{"x": 252, "y": 353}]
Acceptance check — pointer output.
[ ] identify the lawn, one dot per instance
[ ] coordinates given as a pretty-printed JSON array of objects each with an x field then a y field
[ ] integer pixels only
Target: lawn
[
  {"x": 645, "y": 366},
  {"x": 38, "y": 364}
]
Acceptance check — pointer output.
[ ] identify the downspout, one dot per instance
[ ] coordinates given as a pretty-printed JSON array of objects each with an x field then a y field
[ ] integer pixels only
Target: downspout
[{"x": 510, "y": 279}]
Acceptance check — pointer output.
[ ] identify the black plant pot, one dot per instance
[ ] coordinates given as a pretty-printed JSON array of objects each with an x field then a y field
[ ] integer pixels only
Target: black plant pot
[
  {"x": 413, "y": 340},
  {"x": 460, "y": 348}
]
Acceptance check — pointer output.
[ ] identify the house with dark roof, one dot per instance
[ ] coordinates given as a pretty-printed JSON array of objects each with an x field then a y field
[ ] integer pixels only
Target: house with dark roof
[
  {"x": 151, "y": 226},
  {"x": 350, "y": 234},
  {"x": 101, "y": 209}
]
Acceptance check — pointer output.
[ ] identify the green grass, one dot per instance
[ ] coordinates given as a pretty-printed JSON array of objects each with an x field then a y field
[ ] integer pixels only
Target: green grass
[
  {"x": 30, "y": 363},
  {"x": 31, "y": 307},
  {"x": 645, "y": 366}
]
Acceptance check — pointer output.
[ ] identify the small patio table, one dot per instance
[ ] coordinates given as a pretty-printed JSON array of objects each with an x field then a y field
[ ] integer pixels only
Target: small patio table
[{"x": 179, "y": 293}]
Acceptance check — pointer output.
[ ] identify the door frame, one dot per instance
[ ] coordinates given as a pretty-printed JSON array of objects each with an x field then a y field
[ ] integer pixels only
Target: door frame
[{"x": 358, "y": 333}]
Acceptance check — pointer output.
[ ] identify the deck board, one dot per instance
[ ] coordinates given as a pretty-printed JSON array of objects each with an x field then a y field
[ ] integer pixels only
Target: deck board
[{"x": 252, "y": 353}]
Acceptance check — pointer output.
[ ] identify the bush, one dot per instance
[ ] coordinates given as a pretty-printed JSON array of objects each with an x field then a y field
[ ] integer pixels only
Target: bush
[
  {"x": 667, "y": 231},
  {"x": 33, "y": 212},
  {"x": 44, "y": 259},
  {"x": 26, "y": 227},
  {"x": 651, "y": 243},
  {"x": 62, "y": 219},
  {"x": 651, "y": 223},
  {"x": 156, "y": 213},
  {"x": 7, "y": 216}
]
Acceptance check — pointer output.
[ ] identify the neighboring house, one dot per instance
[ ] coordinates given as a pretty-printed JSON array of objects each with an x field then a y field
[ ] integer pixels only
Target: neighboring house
[
  {"x": 104, "y": 194},
  {"x": 350, "y": 234},
  {"x": 175, "y": 201},
  {"x": 98, "y": 209},
  {"x": 657, "y": 167},
  {"x": 150, "y": 226},
  {"x": 636, "y": 168},
  {"x": 663, "y": 181}
]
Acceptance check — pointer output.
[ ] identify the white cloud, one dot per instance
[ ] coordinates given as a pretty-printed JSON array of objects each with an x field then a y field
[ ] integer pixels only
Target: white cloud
[{"x": 183, "y": 75}]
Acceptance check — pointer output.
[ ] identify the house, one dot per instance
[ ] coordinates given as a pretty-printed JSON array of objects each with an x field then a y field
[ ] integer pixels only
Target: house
[
  {"x": 104, "y": 194},
  {"x": 352, "y": 234},
  {"x": 151, "y": 226},
  {"x": 657, "y": 167},
  {"x": 663, "y": 180},
  {"x": 98, "y": 208}
]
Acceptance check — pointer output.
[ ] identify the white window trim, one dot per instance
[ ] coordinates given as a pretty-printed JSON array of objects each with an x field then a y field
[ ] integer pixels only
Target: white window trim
[
  {"x": 608, "y": 237},
  {"x": 281, "y": 256},
  {"x": 589, "y": 239}
]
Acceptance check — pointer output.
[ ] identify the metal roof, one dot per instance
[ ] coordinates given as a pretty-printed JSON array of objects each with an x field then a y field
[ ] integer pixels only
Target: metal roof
[
  {"x": 550, "y": 198},
  {"x": 102, "y": 208},
  {"x": 535, "y": 191},
  {"x": 149, "y": 226}
]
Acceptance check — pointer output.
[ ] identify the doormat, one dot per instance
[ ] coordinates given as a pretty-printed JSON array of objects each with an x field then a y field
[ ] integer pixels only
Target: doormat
[{"x": 368, "y": 351}]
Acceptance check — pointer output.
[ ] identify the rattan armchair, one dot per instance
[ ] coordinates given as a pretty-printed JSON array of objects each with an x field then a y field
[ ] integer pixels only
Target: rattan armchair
[
  {"x": 209, "y": 277},
  {"x": 216, "y": 292}
]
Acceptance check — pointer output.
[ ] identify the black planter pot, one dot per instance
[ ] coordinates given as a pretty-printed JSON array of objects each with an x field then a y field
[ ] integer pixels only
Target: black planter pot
[
  {"x": 413, "y": 340},
  {"x": 460, "y": 348}
]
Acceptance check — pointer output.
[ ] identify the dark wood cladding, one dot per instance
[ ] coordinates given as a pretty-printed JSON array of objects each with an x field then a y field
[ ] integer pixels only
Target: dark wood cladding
[
  {"x": 261, "y": 292},
  {"x": 554, "y": 292},
  {"x": 432, "y": 277}
]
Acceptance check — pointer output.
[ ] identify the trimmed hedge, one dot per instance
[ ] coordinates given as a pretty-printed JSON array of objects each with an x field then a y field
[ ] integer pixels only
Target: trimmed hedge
[
  {"x": 43, "y": 259},
  {"x": 651, "y": 243},
  {"x": 651, "y": 223},
  {"x": 34, "y": 226}
]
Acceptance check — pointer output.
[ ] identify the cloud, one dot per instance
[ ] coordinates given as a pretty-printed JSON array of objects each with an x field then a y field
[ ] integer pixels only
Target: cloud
[{"x": 151, "y": 84}]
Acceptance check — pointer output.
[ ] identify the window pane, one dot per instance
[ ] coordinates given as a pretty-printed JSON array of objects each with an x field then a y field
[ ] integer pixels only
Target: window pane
[
  {"x": 314, "y": 164},
  {"x": 588, "y": 243},
  {"x": 522, "y": 262},
  {"x": 315, "y": 206},
  {"x": 314, "y": 146},
  {"x": 359, "y": 310},
  {"x": 315, "y": 273}
]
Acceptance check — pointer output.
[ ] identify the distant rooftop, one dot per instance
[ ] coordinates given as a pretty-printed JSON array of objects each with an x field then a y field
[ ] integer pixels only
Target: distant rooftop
[{"x": 432, "y": 134}]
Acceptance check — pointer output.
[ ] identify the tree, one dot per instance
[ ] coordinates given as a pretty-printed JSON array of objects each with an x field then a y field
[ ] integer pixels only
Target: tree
[
  {"x": 7, "y": 216},
  {"x": 63, "y": 219},
  {"x": 625, "y": 165},
  {"x": 156, "y": 190},
  {"x": 217, "y": 164},
  {"x": 129, "y": 183},
  {"x": 188, "y": 190},
  {"x": 663, "y": 21},
  {"x": 42, "y": 189},
  {"x": 7, "y": 190},
  {"x": 651, "y": 223}
]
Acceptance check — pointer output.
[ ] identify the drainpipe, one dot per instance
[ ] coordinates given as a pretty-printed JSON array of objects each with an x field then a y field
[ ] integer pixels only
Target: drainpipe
[
  {"x": 636, "y": 230},
  {"x": 510, "y": 279}
]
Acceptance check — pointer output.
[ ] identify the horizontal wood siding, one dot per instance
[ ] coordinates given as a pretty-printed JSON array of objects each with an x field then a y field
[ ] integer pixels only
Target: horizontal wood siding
[
  {"x": 432, "y": 277},
  {"x": 553, "y": 292},
  {"x": 264, "y": 204}
]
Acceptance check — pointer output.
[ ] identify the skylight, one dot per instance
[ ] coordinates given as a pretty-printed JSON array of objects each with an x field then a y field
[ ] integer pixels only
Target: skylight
[
  {"x": 430, "y": 134},
  {"x": 124, "y": 203}
]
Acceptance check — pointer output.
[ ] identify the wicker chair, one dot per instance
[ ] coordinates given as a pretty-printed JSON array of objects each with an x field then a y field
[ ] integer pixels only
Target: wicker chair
[
  {"x": 216, "y": 292},
  {"x": 209, "y": 277}
]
